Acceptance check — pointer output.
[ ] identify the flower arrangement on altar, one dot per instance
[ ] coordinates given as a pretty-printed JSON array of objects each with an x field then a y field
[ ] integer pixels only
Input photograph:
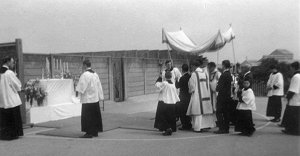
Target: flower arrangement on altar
[{"x": 33, "y": 91}]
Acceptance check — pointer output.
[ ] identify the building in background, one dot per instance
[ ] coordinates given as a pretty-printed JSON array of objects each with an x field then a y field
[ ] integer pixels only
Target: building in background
[{"x": 281, "y": 55}]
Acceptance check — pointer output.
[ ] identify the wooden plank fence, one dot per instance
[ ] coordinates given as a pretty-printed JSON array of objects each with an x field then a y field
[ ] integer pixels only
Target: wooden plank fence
[{"x": 139, "y": 72}]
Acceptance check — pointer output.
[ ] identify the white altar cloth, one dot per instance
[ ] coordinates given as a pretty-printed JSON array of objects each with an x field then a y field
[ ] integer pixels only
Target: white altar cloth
[
  {"x": 59, "y": 91},
  {"x": 60, "y": 102}
]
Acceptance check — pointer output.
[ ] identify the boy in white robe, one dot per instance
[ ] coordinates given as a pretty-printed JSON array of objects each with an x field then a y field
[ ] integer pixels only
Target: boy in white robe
[
  {"x": 246, "y": 105},
  {"x": 165, "y": 119},
  {"x": 200, "y": 107}
]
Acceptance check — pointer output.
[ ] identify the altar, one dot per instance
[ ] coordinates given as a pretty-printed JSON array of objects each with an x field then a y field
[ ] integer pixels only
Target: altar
[{"x": 60, "y": 101}]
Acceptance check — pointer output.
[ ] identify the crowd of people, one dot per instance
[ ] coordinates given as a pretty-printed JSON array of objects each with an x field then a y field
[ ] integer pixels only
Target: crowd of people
[{"x": 209, "y": 98}]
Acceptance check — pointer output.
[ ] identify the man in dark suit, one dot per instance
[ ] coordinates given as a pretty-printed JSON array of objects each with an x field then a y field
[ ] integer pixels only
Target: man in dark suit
[
  {"x": 185, "y": 97},
  {"x": 224, "y": 99}
]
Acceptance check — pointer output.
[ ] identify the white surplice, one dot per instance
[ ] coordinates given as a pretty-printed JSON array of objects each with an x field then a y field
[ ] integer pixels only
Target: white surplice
[
  {"x": 90, "y": 88},
  {"x": 295, "y": 88},
  {"x": 167, "y": 92},
  {"x": 277, "y": 80},
  {"x": 10, "y": 85}
]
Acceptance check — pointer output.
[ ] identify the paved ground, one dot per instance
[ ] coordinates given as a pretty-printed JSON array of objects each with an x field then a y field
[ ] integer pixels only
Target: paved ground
[{"x": 268, "y": 140}]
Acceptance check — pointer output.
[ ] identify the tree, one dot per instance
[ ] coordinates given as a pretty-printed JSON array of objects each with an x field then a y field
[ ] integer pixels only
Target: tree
[{"x": 261, "y": 73}]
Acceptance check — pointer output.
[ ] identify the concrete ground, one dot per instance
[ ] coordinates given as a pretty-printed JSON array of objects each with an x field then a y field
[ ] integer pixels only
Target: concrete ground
[{"x": 268, "y": 139}]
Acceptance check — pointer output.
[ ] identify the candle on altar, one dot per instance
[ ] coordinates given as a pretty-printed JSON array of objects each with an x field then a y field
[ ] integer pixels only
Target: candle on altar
[
  {"x": 47, "y": 66},
  {"x": 54, "y": 62},
  {"x": 60, "y": 66},
  {"x": 64, "y": 66}
]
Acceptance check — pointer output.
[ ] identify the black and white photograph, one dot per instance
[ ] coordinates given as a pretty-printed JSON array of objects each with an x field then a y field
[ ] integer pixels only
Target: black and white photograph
[{"x": 149, "y": 77}]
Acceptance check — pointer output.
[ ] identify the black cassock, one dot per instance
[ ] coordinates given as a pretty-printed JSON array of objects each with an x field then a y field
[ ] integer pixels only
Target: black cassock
[
  {"x": 185, "y": 98},
  {"x": 91, "y": 120}
]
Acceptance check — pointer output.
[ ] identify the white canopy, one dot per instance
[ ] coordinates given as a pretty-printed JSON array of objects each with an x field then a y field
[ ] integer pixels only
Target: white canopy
[{"x": 179, "y": 41}]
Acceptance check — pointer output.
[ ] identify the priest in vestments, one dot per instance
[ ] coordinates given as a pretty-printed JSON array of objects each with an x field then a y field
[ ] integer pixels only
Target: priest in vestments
[
  {"x": 90, "y": 91},
  {"x": 10, "y": 115},
  {"x": 200, "y": 107}
]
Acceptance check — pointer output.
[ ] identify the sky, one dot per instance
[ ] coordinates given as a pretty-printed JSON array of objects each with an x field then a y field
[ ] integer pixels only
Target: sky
[{"x": 61, "y": 26}]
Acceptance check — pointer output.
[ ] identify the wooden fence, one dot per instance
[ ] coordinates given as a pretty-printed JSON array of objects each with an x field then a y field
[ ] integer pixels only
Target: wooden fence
[
  {"x": 135, "y": 76},
  {"x": 259, "y": 88}
]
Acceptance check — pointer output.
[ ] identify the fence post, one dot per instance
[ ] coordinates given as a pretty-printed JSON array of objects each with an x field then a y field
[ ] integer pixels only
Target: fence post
[
  {"x": 110, "y": 78},
  {"x": 124, "y": 68},
  {"x": 144, "y": 61}
]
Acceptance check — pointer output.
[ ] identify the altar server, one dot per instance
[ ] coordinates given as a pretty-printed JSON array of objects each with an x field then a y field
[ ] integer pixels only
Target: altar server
[
  {"x": 165, "y": 119},
  {"x": 174, "y": 71},
  {"x": 200, "y": 107},
  {"x": 246, "y": 105},
  {"x": 275, "y": 92},
  {"x": 10, "y": 115},
  {"x": 90, "y": 91},
  {"x": 292, "y": 113}
]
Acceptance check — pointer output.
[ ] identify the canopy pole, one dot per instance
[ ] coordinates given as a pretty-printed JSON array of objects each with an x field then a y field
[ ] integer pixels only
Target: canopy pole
[
  {"x": 218, "y": 57},
  {"x": 234, "y": 60},
  {"x": 169, "y": 53}
]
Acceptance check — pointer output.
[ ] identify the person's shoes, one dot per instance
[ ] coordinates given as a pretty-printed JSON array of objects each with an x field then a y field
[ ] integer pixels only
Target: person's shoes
[
  {"x": 221, "y": 132},
  {"x": 275, "y": 120},
  {"x": 245, "y": 134},
  {"x": 280, "y": 125},
  {"x": 184, "y": 129},
  {"x": 285, "y": 131},
  {"x": 95, "y": 135},
  {"x": 167, "y": 132},
  {"x": 198, "y": 131},
  {"x": 8, "y": 138},
  {"x": 87, "y": 136}
]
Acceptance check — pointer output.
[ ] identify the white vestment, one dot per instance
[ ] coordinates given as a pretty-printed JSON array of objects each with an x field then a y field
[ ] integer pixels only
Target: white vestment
[
  {"x": 200, "y": 106},
  {"x": 9, "y": 87},
  {"x": 248, "y": 98},
  {"x": 277, "y": 80},
  {"x": 167, "y": 92},
  {"x": 295, "y": 87},
  {"x": 90, "y": 88}
]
